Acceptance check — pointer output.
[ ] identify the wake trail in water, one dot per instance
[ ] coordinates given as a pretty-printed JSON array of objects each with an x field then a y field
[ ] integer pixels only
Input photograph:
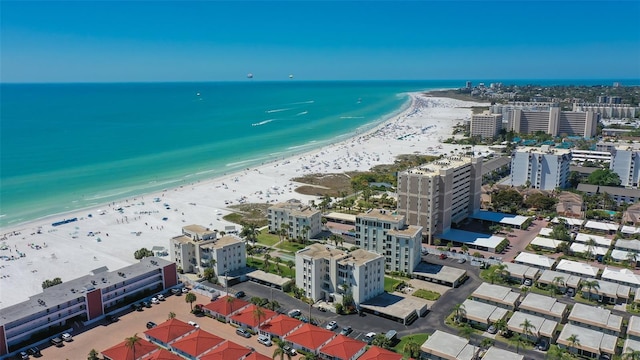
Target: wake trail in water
[{"x": 277, "y": 110}]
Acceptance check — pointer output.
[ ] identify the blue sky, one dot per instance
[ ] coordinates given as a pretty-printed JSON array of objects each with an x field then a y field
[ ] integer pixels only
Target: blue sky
[{"x": 87, "y": 41}]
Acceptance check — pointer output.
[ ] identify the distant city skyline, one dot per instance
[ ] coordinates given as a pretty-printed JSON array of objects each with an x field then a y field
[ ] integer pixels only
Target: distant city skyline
[{"x": 98, "y": 41}]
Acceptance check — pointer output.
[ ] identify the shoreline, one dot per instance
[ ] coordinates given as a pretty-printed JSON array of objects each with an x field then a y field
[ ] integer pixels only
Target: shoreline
[{"x": 110, "y": 236}]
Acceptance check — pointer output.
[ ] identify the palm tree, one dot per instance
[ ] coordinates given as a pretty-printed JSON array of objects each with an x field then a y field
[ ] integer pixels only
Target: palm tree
[
  {"x": 381, "y": 341},
  {"x": 411, "y": 348},
  {"x": 632, "y": 258},
  {"x": 131, "y": 343},
  {"x": 190, "y": 298},
  {"x": 258, "y": 313},
  {"x": 171, "y": 315},
  {"x": 631, "y": 354},
  {"x": 460, "y": 312},
  {"x": 279, "y": 351},
  {"x": 231, "y": 300},
  {"x": 591, "y": 245},
  {"x": 290, "y": 265},
  {"x": 526, "y": 326},
  {"x": 486, "y": 343},
  {"x": 500, "y": 325},
  {"x": 573, "y": 340},
  {"x": 593, "y": 284},
  {"x": 266, "y": 263},
  {"x": 516, "y": 341},
  {"x": 305, "y": 232},
  {"x": 93, "y": 355}
]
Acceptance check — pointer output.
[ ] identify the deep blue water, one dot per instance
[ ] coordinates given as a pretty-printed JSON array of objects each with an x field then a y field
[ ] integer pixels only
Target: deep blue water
[{"x": 69, "y": 146}]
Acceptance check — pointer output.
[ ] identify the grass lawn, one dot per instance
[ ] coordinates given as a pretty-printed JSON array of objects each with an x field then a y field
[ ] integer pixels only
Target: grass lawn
[
  {"x": 419, "y": 339},
  {"x": 389, "y": 283},
  {"x": 426, "y": 294},
  {"x": 290, "y": 246},
  {"x": 284, "y": 270},
  {"x": 268, "y": 239}
]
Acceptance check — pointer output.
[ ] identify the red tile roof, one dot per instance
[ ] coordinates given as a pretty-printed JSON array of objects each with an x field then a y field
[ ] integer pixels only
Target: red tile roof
[
  {"x": 257, "y": 356},
  {"x": 123, "y": 352},
  {"x": 169, "y": 330},
  {"x": 310, "y": 336},
  {"x": 342, "y": 347},
  {"x": 197, "y": 342},
  {"x": 245, "y": 316},
  {"x": 163, "y": 354},
  {"x": 227, "y": 350},
  {"x": 377, "y": 353},
  {"x": 224, "y": 307},
  {"x": 281, "y": 325}
]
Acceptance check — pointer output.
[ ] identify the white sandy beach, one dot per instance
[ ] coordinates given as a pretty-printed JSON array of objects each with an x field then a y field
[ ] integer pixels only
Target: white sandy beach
[{"x": 110, "y": 236}]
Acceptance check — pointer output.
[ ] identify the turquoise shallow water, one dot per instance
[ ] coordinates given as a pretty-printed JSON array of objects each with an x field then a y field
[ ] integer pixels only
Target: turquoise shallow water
[{"x": 69, "y": 146}]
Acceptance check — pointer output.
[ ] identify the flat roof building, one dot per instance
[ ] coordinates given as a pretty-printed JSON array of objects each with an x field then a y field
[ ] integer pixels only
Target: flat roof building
[
  {"x": 298, "y": 220},
  {"x": 564, "y": 280},
  {"x": 621, "y": 276},
  {"x": 385, "y": 232},
  {"x": 482, "y": 314},
  {"x": 577, "y": 268},
  {"x": 626, "y": 163},
  {"x": 600, "y": 240},
  {"x": 322, "y": 271},
  {"x": 608, "y": 292},
  {"x": 442, "y": 345},
  {"x": 519, "y": 272},
  {"x": 486, "y": 125},
  {"x": 496, "y": 295},
  {"x": 546, "y": 243},
  {"x": 437, "y": 194},
  {"x": 540, "y": 168},
  {"x": 538, "y": 261},
  {"x": 441, "y": 274},
  {"x": 592, "y": 343},
  {"x": 595, "y": 318},
  {"x": 542, "y": 327},
  {"x": 495, "y": 353},
  {"x": 547, "y": 307},
  {"x": 555, "y": 122}
]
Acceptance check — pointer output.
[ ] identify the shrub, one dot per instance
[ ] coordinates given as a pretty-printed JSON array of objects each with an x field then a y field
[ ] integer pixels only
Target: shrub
[{"x": 339, "y": 309}]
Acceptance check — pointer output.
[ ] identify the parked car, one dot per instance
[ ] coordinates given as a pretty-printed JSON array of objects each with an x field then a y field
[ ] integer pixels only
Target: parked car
[
  {"x": 571, "y": 292},
  {"x": 243, "y": 332},
  {"x": 185, "y": 290},
  {"x": 67, "y": 337},
  {"x": 34, "y": 351},
  {"x": 369, "y": 337},
  {"x": 151, "y": 325},
  {"x": 175, "y": 291},
  {"x": 146, "y": 304},
  {"x": 161, "y": 297},
  {"x": 240, "y": 294},
  {"x": 332, "y": 325},
  {"x": 346, "y": 330},
  {"x": 322, "y": 309},
  {"x": 462, "y": 261},
  {"x": 23, "y": 355},
  {"x": 194, "y": 324},
  {"x": 443, "y": 256},
  {"x": 492, "y": 329},
  {"x": 289, "y": 350},
  {"x": 154, "y": 300},
  {"x": 57, "y": 342},
  {"x": 111, "y": 318},
  {"x": 264, "y": 340},
  {"x": 136, "y": 307},
  {"x": 294, "y": 313},
  {"x": 542, "y": 345},
  {"x": 528, "y": 282}
]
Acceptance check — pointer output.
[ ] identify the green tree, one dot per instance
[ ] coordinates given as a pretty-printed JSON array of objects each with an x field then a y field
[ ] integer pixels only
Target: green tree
[
  {"x": 501, "y": 325},
  {"x": 591, "y": 285},
  {"x": 517, "y": 341},
  {"x": 604, "y": 177},
  {"x": 249, "y": 232},
  {"x": 171, "y": 315},
  {"x": 142, "y": 253},
  {"x": 381, "y": 341},
  {"x": 131, "y": 343},
  {"x": 279, "y": 351},
  {"x": 527, "y": 327},
  {"x": 560, "y": 232},
  {"x": 486, "y": 343},
  {"x": 631, "y": 354},
  {"x": 411, "y": 348},
  {"x": 573, "y": 341},
  {"x": 507, "y": 200},
  {"x": 574, "y": 179},
  {"x": 460, "y": 312},
  {"x": 541, "y": 202},
  {"x": 209, "y": 274},
  {"x": 591, "y": 245},
  {"x": 190, "y": 298},
  {"x": 93, "y": 355},
  {"x": 258, "y": 314}
]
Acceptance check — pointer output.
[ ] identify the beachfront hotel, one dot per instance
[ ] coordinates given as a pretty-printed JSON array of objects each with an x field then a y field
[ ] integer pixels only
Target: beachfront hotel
[
  {"x": 555, "y": 122},
  {"x": 486, "y": 125},
  {"x": 626, "y": 163},
  {"x": 386, "y": 233},
  {"x": 541, "y": 168},
  {"x": 85, "y": 300},
  {"x": 324, "y": 272},
  {"x": 437, "y": 194},
  {"x": 300, "y": 221},
  {"x": 198, "y": 248}
]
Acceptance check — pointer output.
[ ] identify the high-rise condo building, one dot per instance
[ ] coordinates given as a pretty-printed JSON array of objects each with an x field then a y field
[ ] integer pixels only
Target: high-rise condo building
[
  {"x": 385, "y": 232},
  {"x": 323, "y": 271},
  {"x": 437, "y": 194},
  {"x": 540, "y": 168},
  {"x": 626, "y": 163},
  {"x": 486, "y": 125},
  {"x": 555, "y": 122},
  {"x": 298, "y": 220}
]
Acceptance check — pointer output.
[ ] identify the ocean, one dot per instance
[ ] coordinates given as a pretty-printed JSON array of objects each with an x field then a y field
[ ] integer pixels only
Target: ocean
[{"x": 70, "y": 146}]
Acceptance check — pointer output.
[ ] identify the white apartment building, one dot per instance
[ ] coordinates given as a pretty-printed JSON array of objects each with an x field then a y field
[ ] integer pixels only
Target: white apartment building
[
  {"x": 626, "y": 163},
  {"x": 580, "y": 156},
  {"x": 486, "y": 125},
  {"x": 608, "y": 110},
  {"x": 555, "y": 122},
  {"x": 542, "y": 168},
  {"x": 439, "y": 193},
  {"x": 324, "y": 272},
  {"x": 300, "y": 221},
  {"x": 194, "y": 250},
  {"x": 385, "y": 233}
]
